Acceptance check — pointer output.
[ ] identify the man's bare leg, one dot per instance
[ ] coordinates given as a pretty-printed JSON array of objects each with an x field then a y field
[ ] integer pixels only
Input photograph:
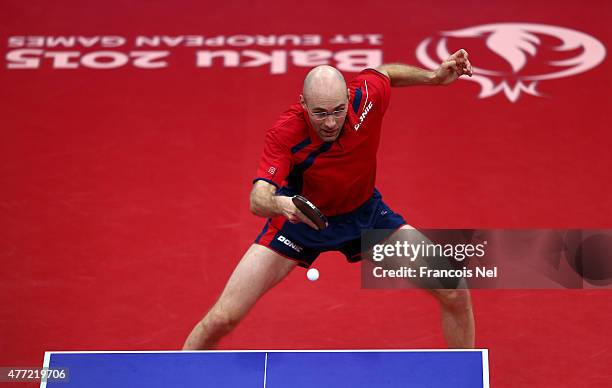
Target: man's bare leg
[
  {"x": 455, "y": 304},
  {"x": 259, "y": 270},
  {"x": 457, "y": 317}
]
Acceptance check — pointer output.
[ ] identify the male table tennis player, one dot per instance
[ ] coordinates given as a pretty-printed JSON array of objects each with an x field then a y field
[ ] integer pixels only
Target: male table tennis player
[{"x": 324, "y": 148}]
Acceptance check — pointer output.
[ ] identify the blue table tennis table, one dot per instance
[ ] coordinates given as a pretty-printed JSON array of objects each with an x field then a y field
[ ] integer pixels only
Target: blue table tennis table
[{"x": 273, "y": 369}]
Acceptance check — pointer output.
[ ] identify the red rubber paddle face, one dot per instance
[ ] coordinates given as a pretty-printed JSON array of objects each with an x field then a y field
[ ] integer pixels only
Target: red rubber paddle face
[{"x": 310, "y": 211}]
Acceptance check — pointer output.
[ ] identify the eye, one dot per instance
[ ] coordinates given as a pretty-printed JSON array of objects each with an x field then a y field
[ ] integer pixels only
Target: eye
[{"x": 339, "y": 112}]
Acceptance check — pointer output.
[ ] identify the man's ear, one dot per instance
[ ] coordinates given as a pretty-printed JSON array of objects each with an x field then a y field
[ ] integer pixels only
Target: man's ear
[{"x": 302, "y": 101}]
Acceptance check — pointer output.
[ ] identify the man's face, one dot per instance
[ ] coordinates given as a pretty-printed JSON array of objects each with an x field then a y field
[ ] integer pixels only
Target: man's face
[{"x": 327, "y": 112}]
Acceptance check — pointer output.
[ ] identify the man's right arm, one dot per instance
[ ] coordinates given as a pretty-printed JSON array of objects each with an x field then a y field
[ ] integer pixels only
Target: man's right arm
[{"x": 265, "y": 203}]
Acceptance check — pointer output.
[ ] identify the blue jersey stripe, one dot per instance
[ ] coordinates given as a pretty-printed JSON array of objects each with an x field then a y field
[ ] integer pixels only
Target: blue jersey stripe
[
  {"x": 357, "y": 100},
  {"x": 295, "y": 180},
  {"x": 301, "y": 145}
]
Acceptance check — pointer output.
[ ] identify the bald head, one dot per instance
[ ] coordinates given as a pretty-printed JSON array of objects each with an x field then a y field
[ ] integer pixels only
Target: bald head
[
  {"x": 325, "y": 99},
  {"x": 324, "y": 82}
]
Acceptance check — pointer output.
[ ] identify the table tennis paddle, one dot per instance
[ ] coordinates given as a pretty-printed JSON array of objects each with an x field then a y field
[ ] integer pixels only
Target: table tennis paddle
[{"x": 311, "y": 211}]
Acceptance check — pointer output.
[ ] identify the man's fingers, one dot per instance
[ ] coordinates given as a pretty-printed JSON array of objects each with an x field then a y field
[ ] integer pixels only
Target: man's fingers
[
  {"x": 469, "y": 68},
  {"x": 459, "y": 67},
  {"x": 306, "y": 220},
  {"x": 459, "y": 54},
  {"x": 295, "y": 216},
  {"x": 452, "y": 65},
  {"x": 466, "y": 68},
  {"x": 310, "y": 223},
  {"x": 463, "y": 63},
  {"x": 455, "y": 66}
]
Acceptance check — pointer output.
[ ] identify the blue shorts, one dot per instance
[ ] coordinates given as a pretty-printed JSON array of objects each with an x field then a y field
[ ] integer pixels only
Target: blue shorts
[{"x": 303, "y": 244}]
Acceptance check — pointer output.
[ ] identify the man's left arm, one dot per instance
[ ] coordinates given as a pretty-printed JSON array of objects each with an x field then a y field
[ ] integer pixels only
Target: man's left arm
[{"x": 452, "y": 68}]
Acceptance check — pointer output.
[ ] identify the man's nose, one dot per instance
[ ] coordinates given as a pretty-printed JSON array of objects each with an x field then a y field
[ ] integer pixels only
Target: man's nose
[{"x": 330, "y": 121}]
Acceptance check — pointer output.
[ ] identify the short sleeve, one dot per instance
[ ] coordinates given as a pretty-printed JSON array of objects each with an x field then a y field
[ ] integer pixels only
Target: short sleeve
[
  {"x": 275, "y": 162},
  {"x": 370, "y": 86}
]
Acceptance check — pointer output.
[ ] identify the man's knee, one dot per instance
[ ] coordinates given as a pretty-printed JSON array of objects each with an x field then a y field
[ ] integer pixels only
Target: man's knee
[
  {"x": 220, "y": 321},
  {"x": 453, "y": 299}
]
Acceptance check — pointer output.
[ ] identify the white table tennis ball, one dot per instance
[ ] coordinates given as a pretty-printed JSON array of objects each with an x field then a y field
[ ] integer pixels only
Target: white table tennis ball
[{"x": 312, "y": 274}]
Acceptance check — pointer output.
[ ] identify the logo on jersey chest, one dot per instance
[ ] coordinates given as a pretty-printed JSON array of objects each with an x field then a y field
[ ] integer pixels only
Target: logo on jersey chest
[
  {"x": 364, "y": 114},
  {"x": 367, "y": 105}
]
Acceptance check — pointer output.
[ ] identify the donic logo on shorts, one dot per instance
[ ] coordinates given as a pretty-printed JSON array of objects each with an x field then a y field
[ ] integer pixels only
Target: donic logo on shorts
[
  {"x": 526, "y": 54},
  {"x": 289, "y": 243}
]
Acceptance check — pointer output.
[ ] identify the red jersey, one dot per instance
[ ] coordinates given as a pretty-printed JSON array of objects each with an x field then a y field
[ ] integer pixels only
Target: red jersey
[{"x": 336, "y": 176}]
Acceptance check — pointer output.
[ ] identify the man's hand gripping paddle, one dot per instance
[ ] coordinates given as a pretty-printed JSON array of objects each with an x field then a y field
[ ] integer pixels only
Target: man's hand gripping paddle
[{"x": 310, "y": 211}]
